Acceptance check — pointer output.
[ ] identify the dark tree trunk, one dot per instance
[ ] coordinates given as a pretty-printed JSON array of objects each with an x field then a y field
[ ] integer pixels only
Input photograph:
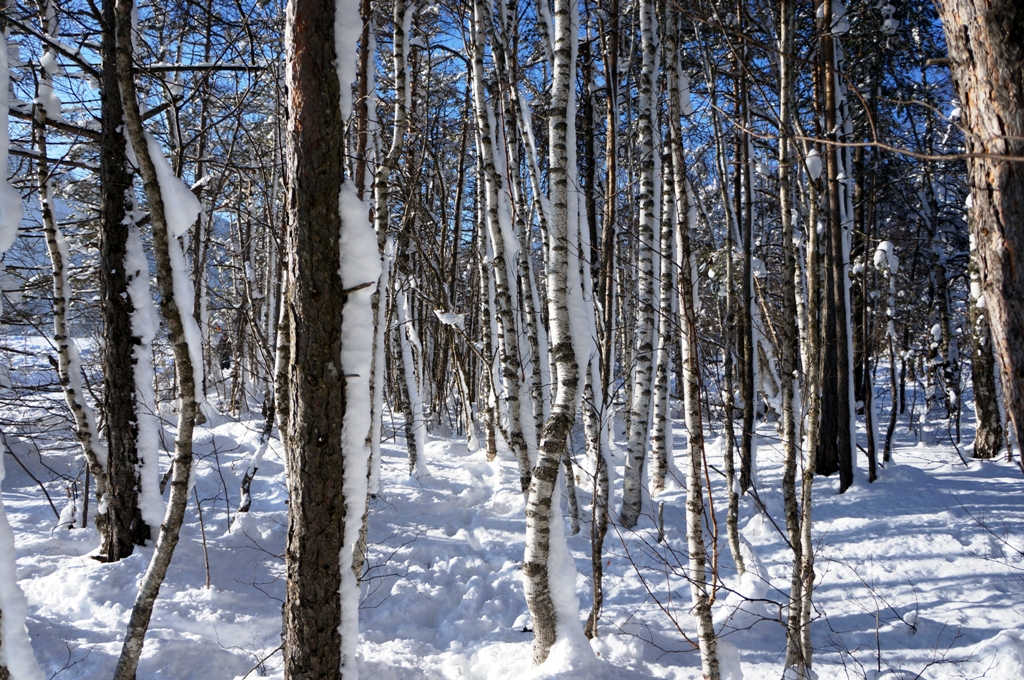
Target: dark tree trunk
[
  {"x": 606, "y": 283},
  {"x": 835, "y": 452},
  {"x": 121, "y": 526},
  {"x": 316, "y": 518},
  {"x": 986, "y": 46}
]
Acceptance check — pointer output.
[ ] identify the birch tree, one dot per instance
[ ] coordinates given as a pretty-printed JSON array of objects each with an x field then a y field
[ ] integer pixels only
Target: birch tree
[
  {"x": 640, "y": 403},
  {"x": 503, "y": 242},
  {"x": 172, "y": 210},
  {"x": 16, "y": 659},
  {"x": 789, "y": 354},
  {"x": 382, "y": 179},
  {"x": 555, "y": 612},
  {"x": 687, "y": 297},
  {"x": 69, "y": 367}
]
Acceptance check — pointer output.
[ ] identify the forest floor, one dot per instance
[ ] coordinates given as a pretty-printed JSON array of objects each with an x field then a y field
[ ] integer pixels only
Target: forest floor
[{"x": 920, "y": 574}]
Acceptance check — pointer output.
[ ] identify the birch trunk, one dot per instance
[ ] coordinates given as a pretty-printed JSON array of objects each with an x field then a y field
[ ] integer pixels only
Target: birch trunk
[
  {"x": 640, "y": 403},
  {"x": 13, "y": 606},
  {"x": 168, "y": 282},
  {"x": 69, "y": 369},
  {"x": 503, "y": 243},
  {"x": 728, "y": 362},
  {"x": 661, "y": 437},
  {"x": 702, "y": 600},
  {"x": 789, "y": 334},
  {"x": 382, "y": 219},
  {"x": 546, "y": 551},
  {"x": 415, "y": 427},
  {"x": 747, "y": 340},
  {"x": 687, "y": 286},
  {"x": 812, "y": 429},
  {"x": 599, "y": 510}
]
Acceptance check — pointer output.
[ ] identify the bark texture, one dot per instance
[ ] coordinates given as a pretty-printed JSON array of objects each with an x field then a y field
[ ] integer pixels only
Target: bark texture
[
  {"x": 562, "y": 238},
  {"x": 789, "y": 334},
  {"x": 640, "y": 401},
  {"x": 315, "y": 460},
  {"x": 695, "y": 516},
  {"x": 499, "y": 231},
  {"x": 382, "y": 218},
  {"x": 68, "y": 364},
  {"x": 986, "y": 46},
  {"x": 122, "y": 526}
]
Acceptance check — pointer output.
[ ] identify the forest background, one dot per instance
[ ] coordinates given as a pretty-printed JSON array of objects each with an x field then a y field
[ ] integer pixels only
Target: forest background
[{"x": 548, "y": 233}]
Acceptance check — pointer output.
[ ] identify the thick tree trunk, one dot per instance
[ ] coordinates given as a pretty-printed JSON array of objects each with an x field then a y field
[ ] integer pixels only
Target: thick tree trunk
[
  {"x": 986, "y": 45},
  {"x": 316, "y": 462},
  {"x": 121, "y": 526}
]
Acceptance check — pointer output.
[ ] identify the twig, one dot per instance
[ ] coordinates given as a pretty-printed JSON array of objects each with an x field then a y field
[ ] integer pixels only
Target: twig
[
  {"x": 262, "y": 661},
  {"x": 29, "y": 473}
]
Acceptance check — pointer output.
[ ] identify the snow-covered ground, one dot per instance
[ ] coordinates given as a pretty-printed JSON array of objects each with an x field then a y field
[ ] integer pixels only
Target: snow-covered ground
[{"x": 919, "y": 575}]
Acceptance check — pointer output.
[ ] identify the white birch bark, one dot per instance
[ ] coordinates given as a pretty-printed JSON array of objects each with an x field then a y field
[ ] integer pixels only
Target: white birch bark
[
  {"x": 789, "y": 337},
  {"x": 729, "y": 396},
  {"x": 16, "y": 658},
  {"x": 69, "y": 367},
  {"x": 555, "y": 611},
  {"x": 812, "y": 423},
  {"x": 640, "y": 403},
  {"x": 661, "y": 436},
  {"x": 381, "y": 223},
  {"x": 176, "y": 304},
  {"x": 702, "y": 599},
  {"x": 504, "y": 244},
  {"x": 416, "y": 430}
]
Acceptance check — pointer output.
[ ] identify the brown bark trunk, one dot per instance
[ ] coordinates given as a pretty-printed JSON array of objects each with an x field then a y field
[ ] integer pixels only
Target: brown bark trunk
[
  {"x": 986, "y": 46},
  {"x": 121, "y": 526},
  {"x": 317, "y": 514}
]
